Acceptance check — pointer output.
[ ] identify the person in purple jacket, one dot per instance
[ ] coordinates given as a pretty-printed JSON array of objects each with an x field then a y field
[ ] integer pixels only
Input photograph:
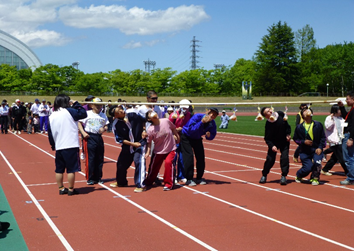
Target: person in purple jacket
[{"x": 192, "y": 141}]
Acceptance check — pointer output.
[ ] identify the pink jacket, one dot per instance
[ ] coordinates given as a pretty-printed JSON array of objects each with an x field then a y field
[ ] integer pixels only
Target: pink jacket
[{"x": 332, "y": 131}]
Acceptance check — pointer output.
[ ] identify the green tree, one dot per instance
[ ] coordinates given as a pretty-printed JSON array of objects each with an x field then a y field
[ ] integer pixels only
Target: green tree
[{"x": 276, "y": 69}]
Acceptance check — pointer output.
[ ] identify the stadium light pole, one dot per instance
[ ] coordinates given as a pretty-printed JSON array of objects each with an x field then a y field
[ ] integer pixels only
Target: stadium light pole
[{"x": 327, "y": 89}]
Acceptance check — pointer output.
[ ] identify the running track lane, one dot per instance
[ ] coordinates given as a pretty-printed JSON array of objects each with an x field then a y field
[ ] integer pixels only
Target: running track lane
[{"x": 221, "y": 225}]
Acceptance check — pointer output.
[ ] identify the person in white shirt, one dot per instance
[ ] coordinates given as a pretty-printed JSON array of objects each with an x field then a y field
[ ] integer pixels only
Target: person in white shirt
[
  {"x": 43, "y": 111},
  {"x": 92, "y": 129},
  {"x": 35, "y": 106},
  {"x": 224, "y": 120},
  {"x": 64, "y": 139},
  {"x": 4, "y": 113}
]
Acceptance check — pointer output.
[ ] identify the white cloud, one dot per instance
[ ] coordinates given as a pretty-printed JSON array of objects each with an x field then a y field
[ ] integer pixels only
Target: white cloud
[
  {"x": 26, "y": 20},
  {"x": 132, "y": 45},
  {"x": 135, "y": 20},
  {"x": 40, "y": 38}
]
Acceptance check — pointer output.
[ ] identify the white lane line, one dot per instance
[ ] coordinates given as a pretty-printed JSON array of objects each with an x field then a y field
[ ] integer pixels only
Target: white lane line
[
  {"x": 252, "y": 157},
  {"x": 272, "y": 219},
  {"x": 279, "y": 191},
  {"x": 134, "y": 204},
  {"x": 264, "y": 216},
  {"x": 40, "y": 208}
]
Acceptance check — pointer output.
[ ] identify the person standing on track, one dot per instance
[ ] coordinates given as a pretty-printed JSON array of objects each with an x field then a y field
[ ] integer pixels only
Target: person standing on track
[
  {"x": 128, "y": 129},
  {"x": 4, "y": 113},
  {"x": 92, "y": 127},
  {"x": 63, "y": 137},
  {"x": 311, "y": 137},
  {"x": 191, "y": 141},
  {"x": 165, "y": 136},
  {"x": 43, "y": 111},
  {"x": 277, "y": 137},
  {"x": 347, "y": 146},
  {"x": 334, "y": 133}
]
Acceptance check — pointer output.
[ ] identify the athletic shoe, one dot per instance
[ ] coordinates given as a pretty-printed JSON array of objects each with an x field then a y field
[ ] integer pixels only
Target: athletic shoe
[
  {"x": 100, "y": 182},
  {"x": 166, "y": 188},
  {"x": 115, "y": 184},
  {"x": 283, "y": 181},
  {"x": 326, "y": 173},
  {"x": 263, "y": 180},
  {"x": 15, "y": 132},
  {"x": 201, "y": 182},
  {"x": 139, "y": 189},
  {"x": 46, "y": 132},
  {"x": 190, "y": 183},
  {"x": 19, "y": 132},
  {"x": 347, "y": 182},
  {"x": 158, "y": 182},
  {"x": 314, "y": 182},
  {"x": 90, "y": 182},
  {"x": 324, "y": 158},
  {"x": 41, "y": 132},
  {"x": 298, "y": 180},
  {"x": 4, "y": 226},
  {"x": 73, "y": 192},
  {"x": 63, "y": 191},
  {"x": 82, "y": 156},
  {"x": 184, "y": 180}
]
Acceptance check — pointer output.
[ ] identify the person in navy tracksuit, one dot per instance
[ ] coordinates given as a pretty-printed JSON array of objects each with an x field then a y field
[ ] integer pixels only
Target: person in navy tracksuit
[
  {"x": 129, "y": 131},
  {"x": 192, "y": 141},
  {"x": 311, "y": 137}
]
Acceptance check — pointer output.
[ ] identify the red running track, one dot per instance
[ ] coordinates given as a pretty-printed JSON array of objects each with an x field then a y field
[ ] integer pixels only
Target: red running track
[{"x": 232, "y": 212}]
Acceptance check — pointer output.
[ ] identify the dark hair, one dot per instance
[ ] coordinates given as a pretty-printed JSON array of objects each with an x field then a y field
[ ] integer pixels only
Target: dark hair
[
  {"x": 61, "y": 101},
  {"x": 112, "y": 109},
  {"x": 29, "y": 113},
  {"x": 151, "y": 92},
  {"x": 263, "y": 109},
  {"x": 350, "y": 94},
  {"x": 334, "y": 109},
  {"x": 303, "y": 105},
  {"x": 48, "y": 102},
  {"x": 147, "y": 115}
]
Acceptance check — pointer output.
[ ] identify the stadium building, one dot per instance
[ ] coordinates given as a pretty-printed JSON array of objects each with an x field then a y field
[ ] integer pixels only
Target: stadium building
[{"x": 15, "y": 53}]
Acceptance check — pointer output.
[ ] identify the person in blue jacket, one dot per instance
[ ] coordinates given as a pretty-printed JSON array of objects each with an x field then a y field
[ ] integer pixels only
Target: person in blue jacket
[
  {"x": 311, "y": 137},
  {"x": 192, "y": 141}
]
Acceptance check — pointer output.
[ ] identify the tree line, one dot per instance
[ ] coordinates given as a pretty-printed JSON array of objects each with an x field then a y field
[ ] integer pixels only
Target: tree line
[{"x": 286, "y": 63}]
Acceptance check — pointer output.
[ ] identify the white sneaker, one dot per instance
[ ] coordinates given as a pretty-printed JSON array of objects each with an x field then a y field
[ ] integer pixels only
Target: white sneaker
[
  {"x": 326, "y": 173},
  {"x": 41, "y": 132},
  {"x": 46, "y": 132},
  {"x": 19, "y": 132},
  {"x": 82, "y": 156},
  {"x": 15, "y": 132}
]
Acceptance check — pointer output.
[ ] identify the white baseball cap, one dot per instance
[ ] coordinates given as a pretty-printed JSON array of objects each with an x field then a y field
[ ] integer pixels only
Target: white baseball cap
[{"x": 184, "y": 103}]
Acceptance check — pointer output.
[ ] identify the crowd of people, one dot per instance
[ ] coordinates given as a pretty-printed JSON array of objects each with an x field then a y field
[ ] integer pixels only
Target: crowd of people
[
  {"x": 311, "y": 138},
  {"x": 171, "y": 133}
]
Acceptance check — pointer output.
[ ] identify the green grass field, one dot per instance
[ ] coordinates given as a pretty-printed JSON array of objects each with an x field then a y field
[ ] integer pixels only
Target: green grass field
[{"x": 248, "y": 125}]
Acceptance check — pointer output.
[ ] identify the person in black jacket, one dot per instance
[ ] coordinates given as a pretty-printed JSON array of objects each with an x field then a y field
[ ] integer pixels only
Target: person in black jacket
[
  {"x": 311, "y": 137},
  {"x": 277, "y": 136},
  {"x": 18, "y": 114}
]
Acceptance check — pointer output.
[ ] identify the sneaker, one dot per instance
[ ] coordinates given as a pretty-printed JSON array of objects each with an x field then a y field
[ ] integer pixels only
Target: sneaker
[
  {"x": 190, "y": 183},
  {"x": 115, "y": 184},
  {"x": 166, "y": 188},
  {"x": 296, "y": 160},
  {"x": 139, "y": 189},
  {"x": 19, "y": 132},
  {"x": 4, "y": 226},
  {"x": 73, "y": 192},
  {"x": 324, "y": 158},
  {"x": 15, "y": 132},
  {"x": 201, "y": 182},
  {"x": 298, "y": 180},
  {"x": 46, "y": 132},
  {"x": 184, "y": 180},
  {"x": 314, "y": 182},
  {"x": 63, "y": 191},
  {"x": 82, "y": 156},
  {"x": 347, "y": 182},
  {"x": 158, "y": 182},
  {"x": 41, "y": 132},
  {"x": 100, "y": 181},
  {"x": 326, "y": 173},
  {"x": 283, "y": 181},
  {"x": 90, "y": 182},
  {"x": 263, "y": 180}
]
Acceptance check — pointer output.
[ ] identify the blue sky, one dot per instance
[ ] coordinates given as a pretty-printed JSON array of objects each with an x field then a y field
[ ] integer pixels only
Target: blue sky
[{"x": 105, "y": 35}]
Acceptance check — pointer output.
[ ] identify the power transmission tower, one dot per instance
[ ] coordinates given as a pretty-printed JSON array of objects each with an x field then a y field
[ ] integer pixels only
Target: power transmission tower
[
  {"x": 148, "y": 63},
  {"x": 194, "y": 53},
  {"x": 218, "y": 66}
]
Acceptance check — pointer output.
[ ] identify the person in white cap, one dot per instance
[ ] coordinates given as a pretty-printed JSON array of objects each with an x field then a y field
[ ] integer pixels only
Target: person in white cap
[
  {"x": 224, "y": 120},
  {"x": 92, "y": 128}
]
